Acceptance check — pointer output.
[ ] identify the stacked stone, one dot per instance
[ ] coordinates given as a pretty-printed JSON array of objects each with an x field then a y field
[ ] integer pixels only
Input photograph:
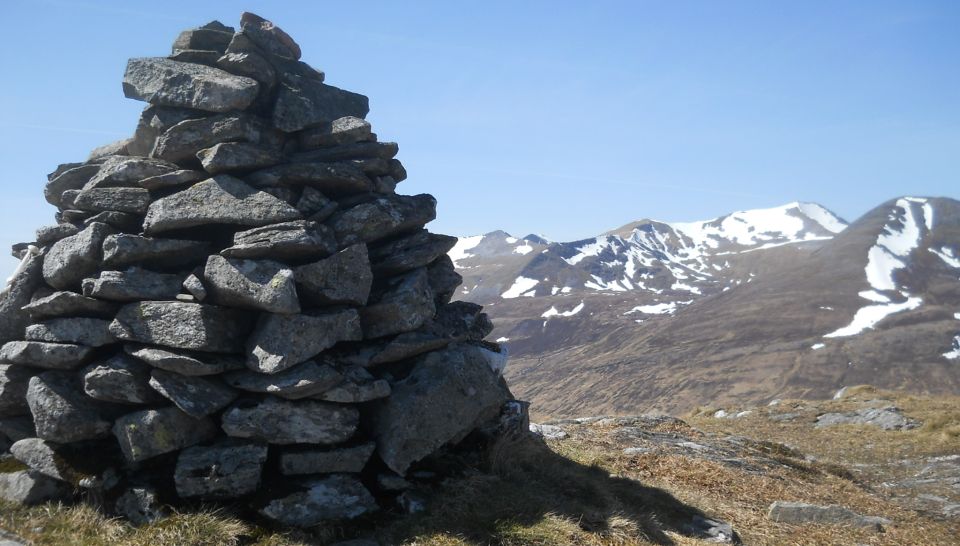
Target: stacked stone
[{"x": 236, "y": 304}]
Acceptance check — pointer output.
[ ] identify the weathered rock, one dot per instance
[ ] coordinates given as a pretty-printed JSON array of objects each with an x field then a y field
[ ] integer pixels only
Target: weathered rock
[
  {"x": 252, "y": 284},
  {"x": 407, "y": 426},
  {"x": 250, "y": 64},
  {"x": 405, "y": 305},
  {"x": 180, "y": 325},
  {"x": 336, "y": 497},
  {"x": 315, "y": 103},
  {"x": 117, "y": 147},
  {"x": 345, "y": 130},
  {"x": 72, "y": 259},
  {"x": 298, "y": 240},
  {"x": 122, "y": 380},
  {"x": 204, "y": 39},
  {"x": 134, "y": 284},
  {"x": 194, "y": 285},
  {"x": 50, "y": 234},
  {"x": 13, "y": 389},
  {"x": 356, "y": 151},
  {"x": 315, "y": 205},
  {"x": 409, "y": 252},
  {"x": 198, "y": 56},
  {"x": 31, "y": 487},
  {"x": 62, "y": 412},
  {"x": 196, "y": 396},
  {"x": 132, "y": 200},
  {"x": 173, "y": 179},
  {"x": 170, "y": 83},
  {"x": 123, "y": 250},
  {"x": 444, "y": 279},
  {"x": 358, "y": 387},
  {"x": 548, "y": 432},
  {"x": 61, "y": 304},
  {"x": 181, "y": 141},
  {"x": 799, "y": 513},
  {"x": 284, "y": 422},
  {"x": 70, "y": 179},
  {"x": 24, "y": 283},
  {"x": 121, "y": 221},
  {"x": 146, "y": 434},
  {"x": 888, "y": 418},
  {"x": 303, "y": 380},
  {"x": 140, "y": 505},
  {"x": 222, "y": 471},
  {"x": 282, "y": 341},
  {"x": 408, "y": 345},
  {"x": 236, "y": 156},
  {"x": 383, "y": 217},
  {"x": 127, "y": 172},
  {"x": 219, "y": 200},
  {"x": 51, "y": 356},
  {"x": 268, "y": 36},
  {"x": 461, "y": 321},
  {"x": 66, "y": 462},
  {"x": 388, "y": 481},
  {"x": 344, "y": 278},
  {"x": 184, "y": 364},
  {"x": 91, "y": 332},
  {"x": 295, "y": 462},
  {"x": 330, "y": 178}
]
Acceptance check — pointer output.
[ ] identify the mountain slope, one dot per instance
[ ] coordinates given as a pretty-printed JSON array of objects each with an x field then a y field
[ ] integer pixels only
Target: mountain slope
[{"x": 789, "y": 301}]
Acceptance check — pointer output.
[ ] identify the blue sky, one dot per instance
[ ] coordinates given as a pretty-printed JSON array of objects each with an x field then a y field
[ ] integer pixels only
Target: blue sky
[{"x": 561, "y": 118}]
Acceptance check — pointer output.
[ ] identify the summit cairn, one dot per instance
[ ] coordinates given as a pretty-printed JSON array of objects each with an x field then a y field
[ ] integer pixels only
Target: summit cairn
[{"x": 235, "y": 304}]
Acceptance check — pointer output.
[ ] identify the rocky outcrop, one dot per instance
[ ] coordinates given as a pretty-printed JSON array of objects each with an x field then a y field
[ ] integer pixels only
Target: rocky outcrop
[{"x": 236, "y": 305}]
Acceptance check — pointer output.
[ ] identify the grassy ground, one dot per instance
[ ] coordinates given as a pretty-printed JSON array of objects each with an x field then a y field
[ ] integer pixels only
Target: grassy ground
[{"x": 585, "y": 491}]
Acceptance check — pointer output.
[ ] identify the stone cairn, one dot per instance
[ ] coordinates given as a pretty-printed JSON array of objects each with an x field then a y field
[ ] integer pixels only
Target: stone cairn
[{"x": 236, "y": 306}]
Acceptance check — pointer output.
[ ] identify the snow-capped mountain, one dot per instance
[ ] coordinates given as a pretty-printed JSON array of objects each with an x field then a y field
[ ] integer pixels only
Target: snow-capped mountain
[{"x": 755, "y": 304}]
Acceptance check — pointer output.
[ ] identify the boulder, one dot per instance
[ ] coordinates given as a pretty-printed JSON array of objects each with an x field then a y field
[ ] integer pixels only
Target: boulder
[
  {"x": 134, "y": 284},
  {"x": 319, "y": 500},
  {"x": 192, "y": 326},
  {"x": 284, "y": 422},
  {"x": 263, "y": 285},
  {"x": 184, "y": 364},
  {"x": 345, "y": 130},
  {"x": 173, "y": 179},
  {"x": 407, "y": 426},
  {"x": 344, "y": 278},
  {"x": 196, "y": 396},
  {"x": 13, "y": 389},
  {"x": 185, "y": 85},
  {"x": 303, "y": 380},
  {"x": 132, "y": 200},
  {"x": 222, "y": 471},
  {"x": 330, "y": 178},
  {"x": 70, "y": 179},
  {"x": 290, "y": 241},
  {"x": 204, "y": 39},
  {"x": 146, "y": 434},
  {"x": 181, "y": 141},
  {"x": 30, "y": 487},
  {"x": 127, "y": 172},
  {"x": 250, "y": 64},
  {"x": 281, "y": 341},
  {"x": 444, "y": 279},
  {"x": 314, "y": 103},
  {"x": 62, "y": 412},
  {"x": 798, "y": 513},
  {"x": 406, "y": 303},
  {"x": 120, "y": 221},
  {"x": 154, "y": 121},
  {"x": 297, "y": 462},
  {"x": 91, "y": 332},
  {"x": 122, "y": 380},
  {"x": 888, "y": 418},
  {"x": 70, "y": 463},
  {"x": 20, "y": 289},
  {"x": 383, "y": 217},
  {"x": 124, "y": 250},
  {"x": 51, "y": 356},
  {"x": 409, "y": 252},
  {"x": 357, "y": 387},
  {"x": 48, "y": 235},
  {"x": 72, "y": 259},
  {"x": 236, "y": 156},
  {"x": 408, "y": 345},
  {"x": 60, "y": 304},
  {"x": 117, "y": 147},
  {"x": 268, "y": 36},
  {"x": 219, "y": 200}
]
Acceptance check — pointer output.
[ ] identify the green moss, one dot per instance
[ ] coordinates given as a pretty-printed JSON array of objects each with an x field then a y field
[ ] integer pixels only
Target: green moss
[{"x": 9, "y": 465}]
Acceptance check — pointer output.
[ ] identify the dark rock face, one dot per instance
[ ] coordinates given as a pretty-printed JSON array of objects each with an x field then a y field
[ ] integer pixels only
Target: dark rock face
[
  {"x": 285, "y": 422},
  {"x": 333, "y": 461},
  {"x": 183, "y": 140},
  {"x": 383, "y": 217},
  {"x": 196, "y": 396},
  {"x": 13, "y": 315},
  {"x": 236, "y": 156},
  {"x": 344, "y": 278},
  {"x": 282, "y": 341},
  {"x": 330, "y": 178},
  {"x": 13, "y": 390},
  {"x": 405, "y": 306},
  {"x": 222, "y": 471},
  {"x": 185, "y": 85},
  {"x": 314, "y": 104}
]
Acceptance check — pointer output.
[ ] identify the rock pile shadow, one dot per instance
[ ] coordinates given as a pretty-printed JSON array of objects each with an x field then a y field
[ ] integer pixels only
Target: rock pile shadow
[{"x": 236, "y": 306}]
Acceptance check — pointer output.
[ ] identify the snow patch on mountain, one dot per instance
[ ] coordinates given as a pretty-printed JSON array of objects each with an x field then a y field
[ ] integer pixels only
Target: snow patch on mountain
[
  {"x": 868, "y": 317},
  {"x": 552, "y": 312},
  {"x": 955, "y": 353},
  {"x": 459, "y": 250},
  {"x": 521, "y": 287},
  {"x": 668, "y": 308},
  {"x": 948, "y": 255}
]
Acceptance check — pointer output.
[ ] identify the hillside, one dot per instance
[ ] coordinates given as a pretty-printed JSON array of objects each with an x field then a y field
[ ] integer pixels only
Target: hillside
[{"x": 756, "y": 305}]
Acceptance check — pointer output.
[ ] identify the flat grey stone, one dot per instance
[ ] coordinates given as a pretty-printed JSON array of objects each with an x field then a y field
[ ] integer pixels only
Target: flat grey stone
[
  {"x": 284, "y": 422},
  {"x": 124, "y": 250},
  {"x": 315, "y": 205},
  {"x": 281, "y": 341},
  {"x": 350, "y": 152},
  {"x": 60, "y": 304},
  {"x": 301, "y": 381},
  {"x": 181, "y": 141},
  {"x": 315, "y": 103},
  {"x": 120, "y": 221},
  {"x": 121, "y": 379},
  {"x": 13, "y": 317},
  {"x": 409, "y": 252},
  {"x": 263, "y": 285},
  {"x": 219, "y": 200},
  {"x": 195, "y": 286},
  {"x": 173, "y": 179},
  {"x": 131, "y": 200},
  {"x": 185, "y": 364},
  {"x": 62, "y": 412},
  {"x": 91, "y": 332},
  {"x": 357, "y": 387},
  {"x": 155, "y": 121},
  {"x": 344, "y": 278},
  {"x": 134, "y": 284},
  {"x": 331, "y": 178},
  {"x": 888, "y": 418},
  {"x": 799, "y": 513},
  {"x": 127, "y": 172},
  {"x": 331, "y": 498},
  {"x": 295, "y": 462},
  {"x": 383, "y": 217},
  {"x": 268, "y": 36},
  {"x": 191, "y": 326},
  {"x": 297, "y": 240},
  {"x": 345, "y": 130},
  {"x": 196, "y": 396},
  {"x": 72, "y": 259},
  {"x": 228, "y": 157},
  {"x": 48, "y": 235},
  {"x": 407, "y": 426},
  {"x": 170, "y": 83},
  {"x": 146, "y": 434},
  {"x": 408, "y": 345},
  {"x": 13, "y": 389},
  {"x": 117, "y": 147},
  {"x": 406, "y": 305},
  {"x": 51, "y": 356},
  {"x": 250, "y": 64},
  {"x": 70, "y": 179},
  {"x": 222, "y": 471},
  {"x": 30, "y": 487},
  {"x": 204, "y": 39}
]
